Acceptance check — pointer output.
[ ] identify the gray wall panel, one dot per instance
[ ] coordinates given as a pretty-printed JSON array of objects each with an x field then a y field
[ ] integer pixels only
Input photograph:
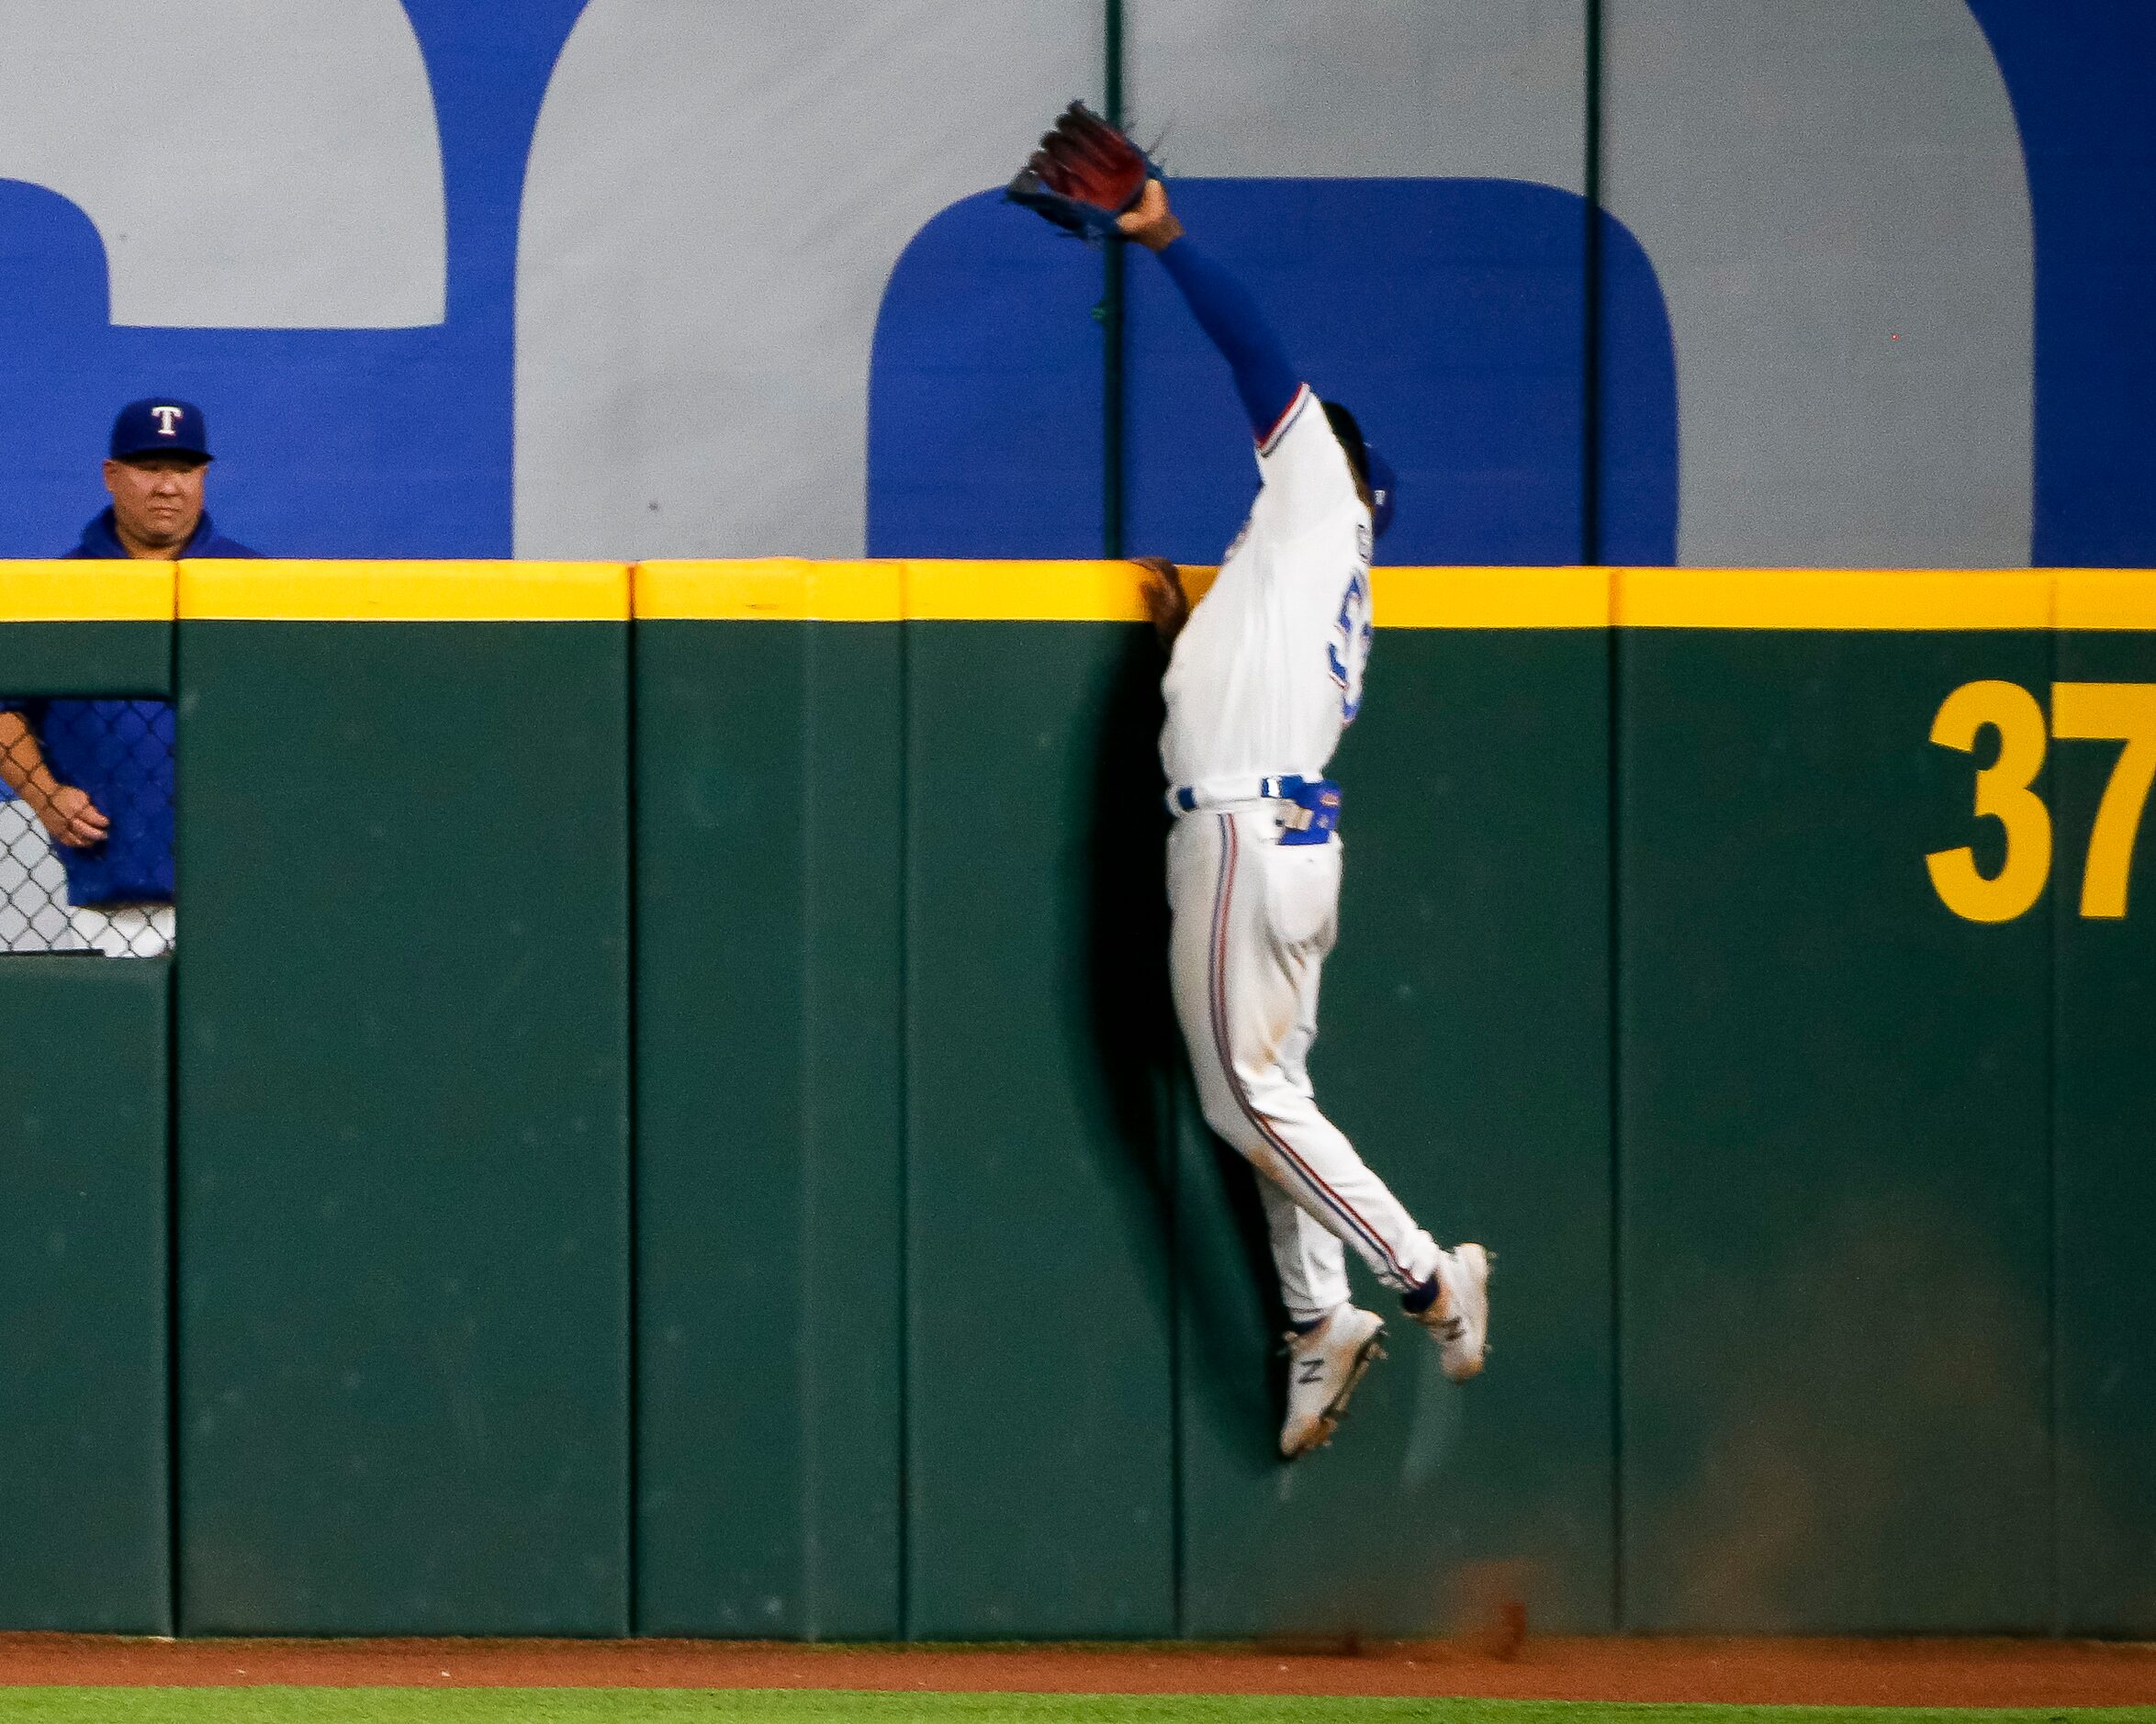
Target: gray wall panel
[
  {"x": 700, "y": 267},
  {"x": 312, "y": 197},
  {"x": 1360, "y": 88},
  {"x": 1833, "y": 198}
]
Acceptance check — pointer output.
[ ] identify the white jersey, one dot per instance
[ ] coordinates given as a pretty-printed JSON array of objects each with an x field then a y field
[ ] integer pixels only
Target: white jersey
[{"x": 1268, "y": 671}]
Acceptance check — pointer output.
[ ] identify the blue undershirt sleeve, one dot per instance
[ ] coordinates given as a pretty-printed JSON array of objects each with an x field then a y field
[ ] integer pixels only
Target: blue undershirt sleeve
[{"x": 1264, "y": 377}]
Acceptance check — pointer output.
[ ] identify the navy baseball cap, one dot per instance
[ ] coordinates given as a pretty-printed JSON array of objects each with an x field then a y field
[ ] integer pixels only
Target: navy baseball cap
[{"x": 159, "y": 425}]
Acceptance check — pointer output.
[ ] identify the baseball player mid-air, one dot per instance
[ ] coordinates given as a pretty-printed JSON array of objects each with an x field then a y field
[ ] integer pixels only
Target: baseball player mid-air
[{"x": 1264, "y": 675}]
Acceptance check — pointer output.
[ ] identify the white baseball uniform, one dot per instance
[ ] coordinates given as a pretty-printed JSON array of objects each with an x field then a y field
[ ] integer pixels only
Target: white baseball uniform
[{"x": 1263, "y": 678}]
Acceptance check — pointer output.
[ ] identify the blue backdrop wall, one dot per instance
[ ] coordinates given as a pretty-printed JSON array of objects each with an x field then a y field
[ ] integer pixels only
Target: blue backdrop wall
[{"x": 1452, "y": 310}]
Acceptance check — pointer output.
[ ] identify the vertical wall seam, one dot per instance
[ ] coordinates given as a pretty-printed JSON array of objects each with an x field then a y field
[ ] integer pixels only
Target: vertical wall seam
[
  {"x": 1590, "y": 477},
  {"x": 171, "y": 1180},
  {"x": 1115, "y": 362},
  {"x": 808, "y": 1327},
  {"x": 1614, "y": 1013},
  {"x": 904, "y": 1121},
  {"x": 1111, "y": 312},
  {"x": 1115, "y": 367},
  {"x": 1111, "y": 320},
  {"x": 1615, "y": 1010},
  {"x": 1168, "y": 1093},
  {"x": 633, "y": 1351},
  {"x": 1591, "y": 552},
  {"x": 2055, "y": 1333}
]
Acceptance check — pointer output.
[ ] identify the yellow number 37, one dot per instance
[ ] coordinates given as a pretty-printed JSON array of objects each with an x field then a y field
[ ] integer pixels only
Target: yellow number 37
[{"x": 2091, "y": 712}]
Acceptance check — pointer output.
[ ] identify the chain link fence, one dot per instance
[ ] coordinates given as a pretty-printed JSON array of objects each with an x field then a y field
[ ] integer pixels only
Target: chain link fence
[{"x": 87, "y": 827}]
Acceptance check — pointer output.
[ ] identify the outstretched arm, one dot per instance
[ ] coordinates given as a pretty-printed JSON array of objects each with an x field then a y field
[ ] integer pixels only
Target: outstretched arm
[{"x": 1264, "y": 377}]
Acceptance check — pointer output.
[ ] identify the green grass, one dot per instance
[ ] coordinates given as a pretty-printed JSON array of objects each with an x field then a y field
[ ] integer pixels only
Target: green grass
[{"x": 684, "y": 1705}]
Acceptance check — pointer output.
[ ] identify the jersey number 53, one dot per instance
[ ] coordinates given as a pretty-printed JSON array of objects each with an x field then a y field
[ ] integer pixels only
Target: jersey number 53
[{"x": 1349, "y": 650}]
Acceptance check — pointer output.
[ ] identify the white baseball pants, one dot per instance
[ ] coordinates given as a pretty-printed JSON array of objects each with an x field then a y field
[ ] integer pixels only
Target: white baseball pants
[{"x": 1254, "y": 920}]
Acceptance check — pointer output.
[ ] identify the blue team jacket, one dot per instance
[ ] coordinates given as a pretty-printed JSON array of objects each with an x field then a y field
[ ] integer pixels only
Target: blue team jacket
[{"x": 121, "y": 752}]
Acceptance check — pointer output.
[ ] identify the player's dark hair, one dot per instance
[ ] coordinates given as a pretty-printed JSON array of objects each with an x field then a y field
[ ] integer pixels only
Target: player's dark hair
[{"x": 1351, "y": 438}]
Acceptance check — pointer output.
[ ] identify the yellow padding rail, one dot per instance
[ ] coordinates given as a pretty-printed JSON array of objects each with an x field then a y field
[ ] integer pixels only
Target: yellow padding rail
[
  {"x": 775, "y": 589},
  {"x": 798, "y": 589},
  {"x": 85, "y": 591},
  {"x": 404, "y": 592},
  {"x": 1833, "y": 598}
]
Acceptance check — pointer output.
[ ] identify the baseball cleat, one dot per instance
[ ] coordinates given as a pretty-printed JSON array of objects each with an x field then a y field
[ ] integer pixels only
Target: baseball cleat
[
  {"x": 1458, "y": 1319},
  {"x": 1323, "y": 1368}
]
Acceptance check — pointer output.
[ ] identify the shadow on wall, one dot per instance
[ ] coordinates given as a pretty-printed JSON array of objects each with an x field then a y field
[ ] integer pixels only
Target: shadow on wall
[{"x": 1131, "y": 1034}]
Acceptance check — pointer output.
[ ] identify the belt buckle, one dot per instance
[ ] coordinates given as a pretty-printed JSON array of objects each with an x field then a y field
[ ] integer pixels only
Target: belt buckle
[{"x": 1316, "y": 816}]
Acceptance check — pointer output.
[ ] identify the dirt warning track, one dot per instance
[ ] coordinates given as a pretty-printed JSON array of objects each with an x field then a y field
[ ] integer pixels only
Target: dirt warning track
[{"x": 1808, "y": 1672}]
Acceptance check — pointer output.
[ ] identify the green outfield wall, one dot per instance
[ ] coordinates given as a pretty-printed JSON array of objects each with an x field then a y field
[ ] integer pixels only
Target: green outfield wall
[
  {"x": 665, "y": 1115},
  {"x": 401, "y": 1144},
  {"x": 770, "y": 1170},
  {"x": 85, "y": 1135}
]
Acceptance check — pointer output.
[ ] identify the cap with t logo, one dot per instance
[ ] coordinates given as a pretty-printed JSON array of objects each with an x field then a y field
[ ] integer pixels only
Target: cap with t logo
[{"x": 162, "y": 424}]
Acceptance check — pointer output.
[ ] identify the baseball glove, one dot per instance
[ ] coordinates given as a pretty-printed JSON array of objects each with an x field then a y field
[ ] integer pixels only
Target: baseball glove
[{"x": 1084, "y": 175}]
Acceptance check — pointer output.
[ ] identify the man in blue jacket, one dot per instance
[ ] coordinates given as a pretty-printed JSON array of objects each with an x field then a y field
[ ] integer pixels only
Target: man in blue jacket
[{"x": 98, "y": 775}]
